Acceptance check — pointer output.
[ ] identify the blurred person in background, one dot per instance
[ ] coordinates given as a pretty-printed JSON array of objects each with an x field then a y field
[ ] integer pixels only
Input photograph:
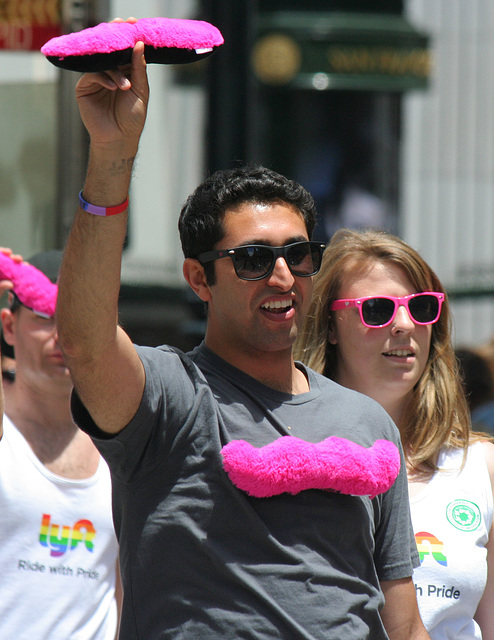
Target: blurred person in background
[
  {"x": 379, "y": 323},
  {"x": 58, "y": 549},
  {"x": 486, "y": 350},
  {"x": 478, "y": 383}
]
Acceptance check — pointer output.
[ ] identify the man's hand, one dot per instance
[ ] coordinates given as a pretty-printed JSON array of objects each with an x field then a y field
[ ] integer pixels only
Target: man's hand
[
  {"x": 7, "y": 285},
  {"x": 113, "y": 104}
]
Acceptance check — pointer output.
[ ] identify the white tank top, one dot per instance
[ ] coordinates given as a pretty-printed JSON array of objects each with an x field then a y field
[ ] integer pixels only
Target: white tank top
[
  {"x": 58, "y": 549},
  {"x": 452, "y": 518}
]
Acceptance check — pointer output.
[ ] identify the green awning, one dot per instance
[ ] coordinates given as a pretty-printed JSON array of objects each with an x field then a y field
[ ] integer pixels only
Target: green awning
[{"x": 324, "y": 51}]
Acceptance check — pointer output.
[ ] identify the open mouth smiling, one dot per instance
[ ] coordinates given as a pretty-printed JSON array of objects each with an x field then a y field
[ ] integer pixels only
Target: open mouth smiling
[
  {"x": 277, "y": 306},
  {"x": 399, "y": 353}
]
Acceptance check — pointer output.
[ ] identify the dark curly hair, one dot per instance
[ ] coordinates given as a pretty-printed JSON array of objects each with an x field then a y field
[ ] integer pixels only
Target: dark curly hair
[{"x": 201, "y": 218}]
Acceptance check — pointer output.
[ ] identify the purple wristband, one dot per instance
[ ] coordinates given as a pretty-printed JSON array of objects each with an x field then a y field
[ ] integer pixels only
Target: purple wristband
[{"x": 102, "y": 211}]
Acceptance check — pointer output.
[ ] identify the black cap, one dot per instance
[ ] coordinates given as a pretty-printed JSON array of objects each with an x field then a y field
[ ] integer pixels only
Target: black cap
[{"x": 48, "y": 262}]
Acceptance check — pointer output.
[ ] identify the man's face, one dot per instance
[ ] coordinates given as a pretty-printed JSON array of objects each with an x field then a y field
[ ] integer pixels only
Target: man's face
[
  {"x": 248, "y": 318},
  {"x": 37, "y": 352}
]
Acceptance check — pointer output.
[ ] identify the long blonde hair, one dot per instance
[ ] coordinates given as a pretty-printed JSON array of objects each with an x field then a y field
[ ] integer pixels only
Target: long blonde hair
[{"x": 437, "y": 413}]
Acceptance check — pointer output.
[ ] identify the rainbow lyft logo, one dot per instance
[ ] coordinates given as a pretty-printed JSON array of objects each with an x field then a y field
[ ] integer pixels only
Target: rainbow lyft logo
[
  {"x": 59, "y": 538},
  {"x": 428, "y": 544}
]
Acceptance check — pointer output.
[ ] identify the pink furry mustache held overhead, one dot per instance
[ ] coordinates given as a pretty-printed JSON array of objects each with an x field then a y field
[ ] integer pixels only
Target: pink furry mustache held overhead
[
  {"x": 31, "y": 286},
  {"x": 291, "y": 465},
  {"x": 109, "y": 44}
]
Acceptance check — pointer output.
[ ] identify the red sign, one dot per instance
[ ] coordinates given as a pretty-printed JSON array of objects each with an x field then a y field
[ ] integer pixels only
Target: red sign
[{"x": 25, "y": 25}]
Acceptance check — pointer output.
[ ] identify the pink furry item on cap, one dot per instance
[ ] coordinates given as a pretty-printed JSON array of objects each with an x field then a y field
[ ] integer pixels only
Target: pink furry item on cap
[
  {"x": 109, "y": 44},
  {"x": 31, "y": 286},
  {"x": 291, "y": 465}
]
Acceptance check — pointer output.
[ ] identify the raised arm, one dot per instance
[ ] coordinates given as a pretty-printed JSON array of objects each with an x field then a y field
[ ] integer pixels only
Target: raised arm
[
  {"x": 5, "y": 285},
  {"x": 105, "y": 367},
  {"x": 2, "y": 406}
]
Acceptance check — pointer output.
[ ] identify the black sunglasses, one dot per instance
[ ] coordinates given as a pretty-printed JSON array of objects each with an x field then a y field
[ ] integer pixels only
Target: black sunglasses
[
  {"x": 8, "y": 375},
  {"x": 256, "y": 261}
]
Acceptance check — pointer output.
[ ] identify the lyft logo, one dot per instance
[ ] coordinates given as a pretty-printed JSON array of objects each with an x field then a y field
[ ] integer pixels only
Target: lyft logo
[
  {"x": 60, "y": 538},
  {"x": 428, "y": 544}
]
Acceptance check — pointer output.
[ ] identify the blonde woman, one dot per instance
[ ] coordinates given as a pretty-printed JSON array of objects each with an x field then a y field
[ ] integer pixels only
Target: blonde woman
[{"x": 379, "y": 323}]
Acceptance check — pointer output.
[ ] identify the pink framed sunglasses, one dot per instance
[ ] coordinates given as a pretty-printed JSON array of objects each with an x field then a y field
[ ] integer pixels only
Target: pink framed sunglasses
[{"x": 379, "y": 311}]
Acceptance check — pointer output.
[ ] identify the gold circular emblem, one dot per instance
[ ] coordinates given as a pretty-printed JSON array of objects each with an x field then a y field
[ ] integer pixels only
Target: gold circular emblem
[{"x": 276, "y": 59}]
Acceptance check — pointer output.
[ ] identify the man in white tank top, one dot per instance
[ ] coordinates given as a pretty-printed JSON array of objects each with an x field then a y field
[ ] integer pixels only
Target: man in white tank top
[{"x": 58, "y": 550}]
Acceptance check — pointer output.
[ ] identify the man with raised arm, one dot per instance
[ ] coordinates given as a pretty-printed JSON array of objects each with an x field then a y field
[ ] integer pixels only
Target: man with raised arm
[{"x": 200, "y": 556}]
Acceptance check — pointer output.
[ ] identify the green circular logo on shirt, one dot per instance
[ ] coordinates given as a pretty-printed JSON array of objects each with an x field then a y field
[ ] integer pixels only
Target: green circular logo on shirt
[{"x": 463, "y": 515}]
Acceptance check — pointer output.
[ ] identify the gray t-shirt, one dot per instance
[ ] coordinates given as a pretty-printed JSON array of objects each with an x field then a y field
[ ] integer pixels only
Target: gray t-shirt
[{"x": 202, "y": 560}]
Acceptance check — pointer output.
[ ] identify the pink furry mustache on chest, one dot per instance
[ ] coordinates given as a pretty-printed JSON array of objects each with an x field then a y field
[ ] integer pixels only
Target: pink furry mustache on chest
[{"x": 291, "y": 465}]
